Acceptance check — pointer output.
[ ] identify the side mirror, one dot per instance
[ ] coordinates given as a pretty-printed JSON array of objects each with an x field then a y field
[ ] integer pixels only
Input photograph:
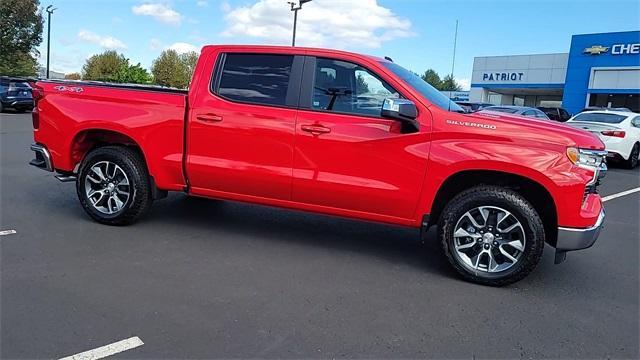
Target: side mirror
[{"x": 402, "y": 110}]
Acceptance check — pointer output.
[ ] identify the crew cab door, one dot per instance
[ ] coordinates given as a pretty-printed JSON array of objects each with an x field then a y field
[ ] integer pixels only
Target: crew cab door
[
  {"x": 241, "y": 129},
  {"x": 346, "y": 155}
]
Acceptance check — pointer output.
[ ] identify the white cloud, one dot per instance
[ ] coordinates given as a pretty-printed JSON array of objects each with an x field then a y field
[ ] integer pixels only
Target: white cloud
[
  {"x": 225, "y": 7},
  {"x": 107, "y": 42},
  {"x": 334, "y": 23},
  {"x": 464, "y": 83},
  {"x": 181, "y": 47},
  {"x": 160, "y": 12},
  {"x": 202, "y": 3}
]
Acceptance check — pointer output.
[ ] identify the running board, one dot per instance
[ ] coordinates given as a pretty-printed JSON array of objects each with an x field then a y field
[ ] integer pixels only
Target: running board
[{"x": 65, "y": 178}]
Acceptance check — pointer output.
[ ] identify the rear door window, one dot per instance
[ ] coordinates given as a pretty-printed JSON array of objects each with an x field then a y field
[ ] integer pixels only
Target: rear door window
[
  {"x": 540, "y": 115},
  {"x": 255, "y": 78},
  {"x": 501, "y": 109}
]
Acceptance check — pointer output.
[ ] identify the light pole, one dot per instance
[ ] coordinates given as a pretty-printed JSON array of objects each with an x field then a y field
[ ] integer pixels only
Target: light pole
[
  {"x": 295, "y": 9},
  {"x": 50, "y": 9}
]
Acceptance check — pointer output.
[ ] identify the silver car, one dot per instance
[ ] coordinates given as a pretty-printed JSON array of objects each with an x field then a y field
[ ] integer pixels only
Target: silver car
[{"x": 519, "y": 110}]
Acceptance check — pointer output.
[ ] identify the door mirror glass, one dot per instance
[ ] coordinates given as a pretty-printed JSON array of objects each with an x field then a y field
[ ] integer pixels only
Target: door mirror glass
[{"x": 399, "y": 109}]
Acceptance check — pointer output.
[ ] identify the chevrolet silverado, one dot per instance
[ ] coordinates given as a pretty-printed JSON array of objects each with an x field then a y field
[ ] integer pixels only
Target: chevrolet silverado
[{"x": 330, "y": 132}]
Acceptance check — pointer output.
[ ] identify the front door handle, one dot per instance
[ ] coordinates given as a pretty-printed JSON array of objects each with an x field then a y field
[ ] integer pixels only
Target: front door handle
[
  {"x": 209, "y": 118},
  {"x": 316, "y": 129}
]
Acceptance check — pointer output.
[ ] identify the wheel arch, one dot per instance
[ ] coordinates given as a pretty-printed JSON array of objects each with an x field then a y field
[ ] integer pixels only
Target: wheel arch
[
  {"x": 89, "y": 139},
  {"x": 534, "y": 192}
]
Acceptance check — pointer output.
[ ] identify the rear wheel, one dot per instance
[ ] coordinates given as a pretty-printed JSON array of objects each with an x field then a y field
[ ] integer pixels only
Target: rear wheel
[
  {"x": 632, "y": 162},
  {"x": 113, "y": 185},
  {"x": 491, "y": 235}
]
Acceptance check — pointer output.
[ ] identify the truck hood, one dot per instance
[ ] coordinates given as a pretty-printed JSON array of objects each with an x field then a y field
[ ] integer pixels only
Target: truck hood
[{"x": 526, "y": 128}]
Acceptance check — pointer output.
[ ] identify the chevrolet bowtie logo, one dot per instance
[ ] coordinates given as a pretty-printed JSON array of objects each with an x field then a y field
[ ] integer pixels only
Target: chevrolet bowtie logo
[{"x": 596, "y": 50}]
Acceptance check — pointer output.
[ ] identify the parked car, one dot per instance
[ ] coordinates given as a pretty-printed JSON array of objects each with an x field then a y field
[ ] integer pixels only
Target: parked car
[
  {"x": 519, "y": 110},
  {"x": 602, "y": 108},
  {"x": 555, "y": 113},
  {"x": 294, "y": 128},
  {"x": 619, "y": 130},
  {"x": 472, "y": 106},
  {"x": 15, "y": 94}
]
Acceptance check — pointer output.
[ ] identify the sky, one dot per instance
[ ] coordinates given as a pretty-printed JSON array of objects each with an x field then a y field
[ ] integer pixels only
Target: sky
[{"x": 417, "y": 34}]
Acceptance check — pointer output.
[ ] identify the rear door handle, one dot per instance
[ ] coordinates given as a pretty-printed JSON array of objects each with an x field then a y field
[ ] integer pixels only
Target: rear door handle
[
  {"x": 316, "y": 129},
  {"x": 209, "y": 118}
]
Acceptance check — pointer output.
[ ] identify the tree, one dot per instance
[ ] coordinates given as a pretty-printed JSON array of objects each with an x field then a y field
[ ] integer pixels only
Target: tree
[
  {"x": 190, "y": 60},
  {"x": 73, "y": 76},
  {"x": 449, "y": 84},
  {"x": 20, "y": 34},
  {"x": 113, "y": 67},
  {"x": 170, "y": 69},
  {"x": 104, "y": 67},
  {"x": 133, "y": 74},
  {"x": 361, "y": 85},
  {"x": 432, "y": 77}
]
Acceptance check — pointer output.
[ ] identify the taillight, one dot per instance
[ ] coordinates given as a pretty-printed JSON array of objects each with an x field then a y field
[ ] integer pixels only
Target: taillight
[
  {"x": 614, "y": 133},
  {"x": 37, "y": 93}
]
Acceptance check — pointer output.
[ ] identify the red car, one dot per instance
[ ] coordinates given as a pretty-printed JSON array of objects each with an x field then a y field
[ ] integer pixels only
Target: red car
[{"x": 335, "y": 133}]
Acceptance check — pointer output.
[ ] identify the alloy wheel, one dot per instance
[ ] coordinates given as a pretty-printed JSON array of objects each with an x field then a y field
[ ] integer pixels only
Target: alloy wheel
[
  {"x": 489, "y": 239},
  {"x": 107, "y": 187}
]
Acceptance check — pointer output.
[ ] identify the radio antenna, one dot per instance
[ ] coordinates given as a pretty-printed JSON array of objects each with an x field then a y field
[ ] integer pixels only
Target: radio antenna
[{"x": 453, "y": 61}]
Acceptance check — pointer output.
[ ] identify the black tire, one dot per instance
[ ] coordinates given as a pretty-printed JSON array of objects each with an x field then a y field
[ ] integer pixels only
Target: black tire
[
  {"x": 1, "y": 108},
  {"x": 632, "y": 162},
  {"x": 133, "y": 165},
  {"x": 493, "y": 196}
]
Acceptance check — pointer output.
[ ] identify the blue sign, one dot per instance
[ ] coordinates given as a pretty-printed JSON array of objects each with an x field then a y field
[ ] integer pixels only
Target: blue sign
[{"x": 616, "y": 49}]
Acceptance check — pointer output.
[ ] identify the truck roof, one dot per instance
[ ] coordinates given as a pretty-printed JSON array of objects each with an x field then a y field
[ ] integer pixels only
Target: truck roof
[{"x": 290, "y": 49}]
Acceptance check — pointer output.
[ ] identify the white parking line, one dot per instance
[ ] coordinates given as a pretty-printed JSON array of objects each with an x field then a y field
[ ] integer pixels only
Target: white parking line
[
  {"x": 7, "y": 232},
  {"x": 621, "y": 194},
  {"x": 107, "y": 350}
]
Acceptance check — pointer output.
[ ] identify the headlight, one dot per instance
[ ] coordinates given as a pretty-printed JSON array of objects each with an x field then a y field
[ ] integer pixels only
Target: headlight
[{"x": 586, "y": 158}]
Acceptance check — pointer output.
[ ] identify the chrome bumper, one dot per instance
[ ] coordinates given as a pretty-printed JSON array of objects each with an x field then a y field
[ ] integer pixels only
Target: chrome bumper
[
  {"x": 570, "y": 239},
  {"x": 43, "y": 158}
]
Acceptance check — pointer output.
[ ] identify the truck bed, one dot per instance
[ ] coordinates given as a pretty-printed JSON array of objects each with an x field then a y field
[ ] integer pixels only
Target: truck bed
[{"x": 69, "y": 115}]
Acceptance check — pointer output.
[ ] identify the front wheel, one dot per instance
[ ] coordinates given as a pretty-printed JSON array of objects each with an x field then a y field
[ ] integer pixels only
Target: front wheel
[
  {"x": 113, "y": 185},
  {"x": 491, "y": 235}
]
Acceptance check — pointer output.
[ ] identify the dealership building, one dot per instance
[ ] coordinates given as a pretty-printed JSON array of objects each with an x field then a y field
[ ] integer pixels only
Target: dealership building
[{"x": 599, "y": 70}]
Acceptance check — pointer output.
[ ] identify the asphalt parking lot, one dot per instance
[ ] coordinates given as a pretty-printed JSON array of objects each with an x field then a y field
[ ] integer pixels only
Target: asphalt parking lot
[{"x": 212, "y": 279}]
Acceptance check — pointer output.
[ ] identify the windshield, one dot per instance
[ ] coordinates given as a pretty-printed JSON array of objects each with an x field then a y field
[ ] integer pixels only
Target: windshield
[
  {"x": 427, "y": 91},
  {"x": 600, "y": 117}
]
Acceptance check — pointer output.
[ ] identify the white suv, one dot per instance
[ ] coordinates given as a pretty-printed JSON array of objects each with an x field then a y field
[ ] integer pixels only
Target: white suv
[{"x": 619, "y": 130}]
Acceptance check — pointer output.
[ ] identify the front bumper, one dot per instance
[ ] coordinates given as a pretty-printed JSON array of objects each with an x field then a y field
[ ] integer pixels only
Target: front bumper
[{"x": 570, "y": 239}]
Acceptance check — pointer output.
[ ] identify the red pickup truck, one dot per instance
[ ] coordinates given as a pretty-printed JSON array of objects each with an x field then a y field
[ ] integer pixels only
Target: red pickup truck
[{"x": 335, "y": 133}]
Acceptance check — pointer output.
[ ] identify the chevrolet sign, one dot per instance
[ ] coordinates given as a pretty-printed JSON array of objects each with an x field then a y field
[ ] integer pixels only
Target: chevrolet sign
[
  {"x": 616, "y": 49},
  {"x": 596, "y": 50}
]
